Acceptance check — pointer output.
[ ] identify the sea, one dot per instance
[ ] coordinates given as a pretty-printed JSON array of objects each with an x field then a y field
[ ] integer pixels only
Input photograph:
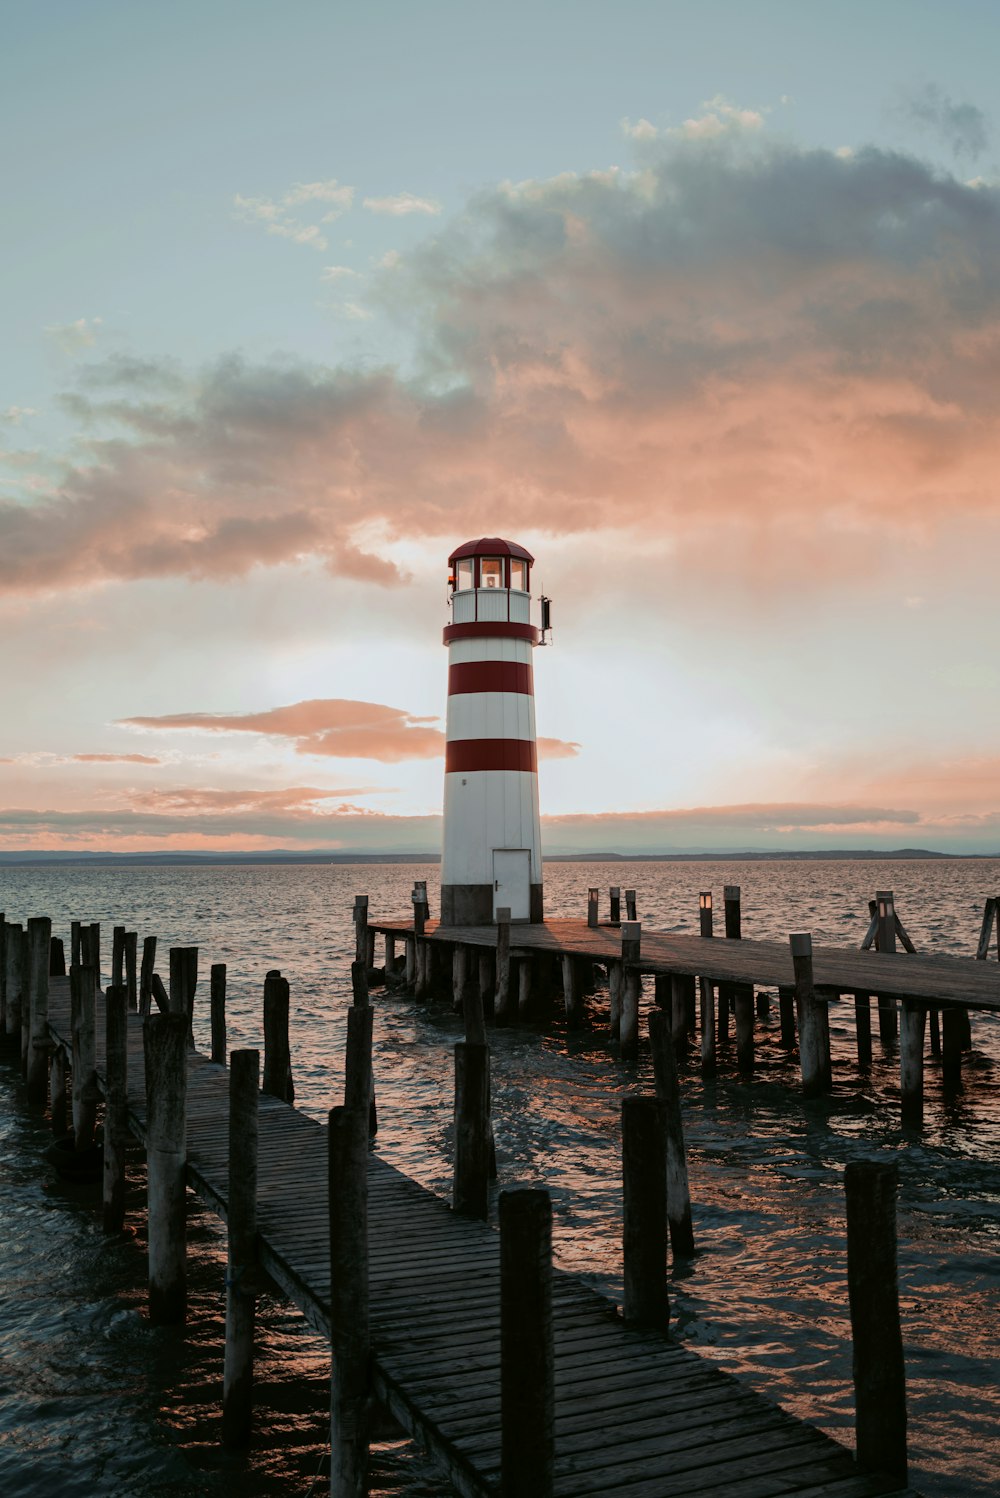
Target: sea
[{"x": 94, "y": 1401}]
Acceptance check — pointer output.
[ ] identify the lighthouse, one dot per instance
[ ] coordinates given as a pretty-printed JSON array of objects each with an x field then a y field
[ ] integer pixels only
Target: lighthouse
[{"x": 492, "y": 857}]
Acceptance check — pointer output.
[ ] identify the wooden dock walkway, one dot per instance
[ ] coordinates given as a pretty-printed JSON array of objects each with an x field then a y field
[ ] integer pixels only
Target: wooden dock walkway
[{"x": 636, "y": 1415}]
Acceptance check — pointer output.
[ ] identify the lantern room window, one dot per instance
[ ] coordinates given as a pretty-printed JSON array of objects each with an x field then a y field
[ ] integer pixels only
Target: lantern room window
[
  {"x": 519, "y": 574},
  {"x": 491, "y": 572},
  {"x": 463, "y": 575}
]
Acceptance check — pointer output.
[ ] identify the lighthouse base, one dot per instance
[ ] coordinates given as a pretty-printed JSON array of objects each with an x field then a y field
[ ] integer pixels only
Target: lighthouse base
[{"x": 472, "y": 904}]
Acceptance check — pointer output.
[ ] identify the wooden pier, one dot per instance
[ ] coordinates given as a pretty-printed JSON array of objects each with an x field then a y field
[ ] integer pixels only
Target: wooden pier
[{"x": 634, "y": 1413}]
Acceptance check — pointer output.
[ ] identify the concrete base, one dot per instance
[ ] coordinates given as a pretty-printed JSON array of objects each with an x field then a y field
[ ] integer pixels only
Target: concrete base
[{"x": 472, "y": 904}]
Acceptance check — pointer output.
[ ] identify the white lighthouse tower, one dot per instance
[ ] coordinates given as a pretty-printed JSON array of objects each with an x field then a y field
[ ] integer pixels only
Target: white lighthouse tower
[{"x": 492, "y": 840}]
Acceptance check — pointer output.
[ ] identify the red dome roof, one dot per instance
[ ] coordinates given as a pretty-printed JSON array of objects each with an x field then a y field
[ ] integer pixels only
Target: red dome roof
[{"x": 490, "y": 546}]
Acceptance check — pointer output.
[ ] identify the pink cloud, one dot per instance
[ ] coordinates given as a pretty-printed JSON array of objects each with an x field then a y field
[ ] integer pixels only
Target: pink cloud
[{"x": 115, "y": 759}]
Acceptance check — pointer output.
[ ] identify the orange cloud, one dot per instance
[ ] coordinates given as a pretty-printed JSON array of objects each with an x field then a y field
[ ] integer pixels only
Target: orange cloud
[
  {"x": 754, "y": 351},
  {"x": 114, "y": 759}
]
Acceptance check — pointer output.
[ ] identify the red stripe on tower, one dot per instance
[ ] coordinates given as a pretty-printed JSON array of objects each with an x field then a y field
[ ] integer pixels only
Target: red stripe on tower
[{"x": 490, "y": 676}]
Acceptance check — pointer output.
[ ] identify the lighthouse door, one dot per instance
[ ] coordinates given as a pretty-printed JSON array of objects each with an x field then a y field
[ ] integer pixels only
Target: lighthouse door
[{"x": 512, "y": 882}]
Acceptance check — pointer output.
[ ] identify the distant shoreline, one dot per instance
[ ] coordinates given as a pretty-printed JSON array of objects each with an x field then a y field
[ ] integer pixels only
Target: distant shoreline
[{"x": 845, "y": 855}]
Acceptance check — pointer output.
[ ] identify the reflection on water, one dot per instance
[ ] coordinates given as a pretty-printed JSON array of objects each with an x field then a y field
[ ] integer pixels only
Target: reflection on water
[{"x": 94, "y": 1401}]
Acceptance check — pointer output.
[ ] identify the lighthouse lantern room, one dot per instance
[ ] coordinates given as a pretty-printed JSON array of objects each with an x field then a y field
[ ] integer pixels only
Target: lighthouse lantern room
[{"x": 492, "y": 841}]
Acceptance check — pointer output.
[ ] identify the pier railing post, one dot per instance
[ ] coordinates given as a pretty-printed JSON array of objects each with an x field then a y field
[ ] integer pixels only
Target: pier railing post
[
  {"x": 3, "y": 974},
  {"x": 277, "y": 1055},
  {"x": 241, "y": 1228},
  {"x": 631, "y": 989},
  {"x": 615, "y": 897},
  {"x": 359, "y": 1083},
  {"x": 527, "y": 1357},
  {"x": 14, "y": 969},
  {"x": 814, "y": 1021},
  {"x": 217, "y": 1002},
  {"x": 472, "y": 1129},
  {"x": 644, "y": 1191},
  {"x": 504, "y": 1001},
  {"x": 57, "y": 956},
  {"x": 350, "y": 1341},
  {"x": 361, "y": 928},
  {"x": 593, "y": 906},
  {"x": 116, "y": 1105},
  {"x": 164, "y": 1038},
  {"x": 131, "y": 985},
  {"x": 706, "y": 990},
  {"x": 82, "y": 1023},
  {"x": 669, "y": 1092},
  {"x": 146, "y": 974},
  {"x": 630, "y": 909},
  {"x": 39, "y": 942},
  {"x": 879, "y": 1371},
  {"x": 118, "y": 955},
  {"x": 75, "y": 943}
]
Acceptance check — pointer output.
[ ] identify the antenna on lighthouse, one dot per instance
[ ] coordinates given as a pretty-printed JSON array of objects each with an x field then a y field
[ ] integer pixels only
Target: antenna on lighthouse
[{"x": 546, "y": 604}]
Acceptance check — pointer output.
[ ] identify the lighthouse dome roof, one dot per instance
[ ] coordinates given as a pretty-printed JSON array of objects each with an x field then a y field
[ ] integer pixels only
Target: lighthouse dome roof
[{"x": 490, "y": 546}]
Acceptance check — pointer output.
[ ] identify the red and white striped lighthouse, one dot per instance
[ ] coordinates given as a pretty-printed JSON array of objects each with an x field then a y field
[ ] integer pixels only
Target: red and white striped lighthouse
[{"x": 492, "y": 854}]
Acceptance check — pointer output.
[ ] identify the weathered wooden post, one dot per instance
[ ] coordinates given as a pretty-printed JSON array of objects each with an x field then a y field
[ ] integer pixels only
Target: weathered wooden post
[
  {"x": 814, "y": 1020},
  {"x": 159, "y": 994},
  {"x": 75, "y": 947},
  {"x": 190, "y": 984},
  {"x": 472, "y": 1129},
  {"x": 410, "y": 948},
  {"x": 644, "y": 1236},
  {"x": 705, "y": 913},
  {"x": 525, "y": 979},
  {"x": 146, "y": 974},
  {"x": 593, "y": 901},
  {"x": 615, "y": 897},
  {"x": 669, "y": 1092},
  {"x": 3, "y": 974},
  {"x": 350, "y": 1341},
  {"x": 911, "y": 1060},
  {"x": 571, "y": 991},
  {"x": 504, "y": 1000},
  {"x": 527, "y": 1356},
  {"x": 277, "y": 1055},
  {"x": 872, "y": 1282},
  {"x": 631, "y": 989},
  {"x": 706, "y": 990},
  {"x": 743, "y": 1008},
  {"x": 116, "y": 1105},
  {"x": 241, "y": 1229},
  {"x": 39, "y": 940},
  {"x": 952, "y": 1035},
  {"x": 360, "y": 1089},
  {"x": 786, "y": 1015},
  {"x": 459, "y": 975},
  {"x": 630, "y": 914},
  {"x": 117, "y": 955},
  {"x": 863, "y": 1027},
  {"x": 732, "y": 906},
  {"x": 217, "y": 1001},
  {"x": 487, "y": 982},
  {"x": 361, "y": 928},
  {"x": 57, "y": 1092},
  {"x": 164, "y": 1039},
  {"x": 888, "y": 1021},
  {"x": 681, "y": 997},
  {"x": 95, "y": 951},
  {"x": 15, "y": 979},
  {"x": 616, "y": 983},
  {"x": 83, "y": 998},
  {"x": 57, "y": 956},
  {"x": 131, "y": 939}
]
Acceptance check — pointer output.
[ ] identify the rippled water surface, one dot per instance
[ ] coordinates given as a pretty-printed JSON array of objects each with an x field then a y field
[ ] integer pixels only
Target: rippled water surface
[{"x": 93, "y": 1401}]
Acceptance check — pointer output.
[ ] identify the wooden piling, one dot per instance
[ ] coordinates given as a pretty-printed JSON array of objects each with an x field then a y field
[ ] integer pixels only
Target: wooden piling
[
  {"x": 911, "y": 1060},
  {"x": 350, "y": 1341},
  {"x": 57, "y": 956},
  {"x": 358, "y": 1058},
  {"x": 630, "y": 914},
  {"x": 470, "y": 1195},
  {"x": 241, "y": 1259},
  {"x": 863, "y": 1028},
  {"x": 631, "y": 990},
  {"x": 146, "y": 974},
  {"x": 487, "y": 983},
  {"x": 615, "y": 897},
  {"x": 217, "y": 1001},
  {"x": 571, "y": 991},
  {"x": 459, "y": 975},
  {"x": 58, "y": 1071},
  {"x": 361, "y": 928},
  {"x": 14, "y": 968},
  {"x": 786, "y": 1014},
  {"x": 669, "y": 1092},
  {"x": 116, "y": 1105},
  {"x": 131, "y": 985},
  {"x": 527, "y": 1357},
  {"x": 410, "y": 948},
  {"x": 75, "y": 950},
  {"x": 814, "y": 1020},
  {"x": 732, "y": 906},
  {"x": 83, "y": 1021},
  {"x": 879, "y": 1372},
  {"x": 277, "y": 1054},
  {"x": 504, "y": 999},
  {"x": 593, "y": 907},
  {"x": 616, "y": 983},
  {"x": 934, "y": 1028},
  {"x": 164, "y": 1039},
  {"x": 952, "y": 1034},
  {"x": 3, "y": 974},
  {"x": 525, "y": 980},
  {"x": 682, "y": 988},
  {"x": 39, "y": 941},
  {"x": 118, "y": 955},
  {"x": 644, "y": 1234},
  {"x": 159, "y": 994},
  {"x": 743, "y": 1007},
  {"x": 888, "y": 1019}
]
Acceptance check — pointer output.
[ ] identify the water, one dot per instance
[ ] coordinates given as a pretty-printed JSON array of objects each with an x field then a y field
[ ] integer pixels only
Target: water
[{"x": 94, "y": 1401}]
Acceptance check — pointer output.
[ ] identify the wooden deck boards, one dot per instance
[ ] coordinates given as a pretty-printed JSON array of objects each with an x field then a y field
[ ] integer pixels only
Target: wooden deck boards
[
  {"x": 636, "y": 1416},
  {"x": 768, "y": 964}
]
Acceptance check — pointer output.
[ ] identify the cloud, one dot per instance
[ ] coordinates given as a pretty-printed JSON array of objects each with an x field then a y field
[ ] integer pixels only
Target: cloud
[
  {"x": 401, "y": 204},
  {"x": 339, "y": 273},
  {"x": 334, "y": 727},
  {"x": 760, "y": 357},
  {"x": 639, "y": 130},
  {"x": 963, "y": 128},
  {"x": 718, "y": 118},
  {"x": 274, "y": 213},
  {"x": 114, "y": 759},
  {"x": 74, "y": 337},
  {"x": 556, "y": 748},
  {"x": 16, "y": 415}
]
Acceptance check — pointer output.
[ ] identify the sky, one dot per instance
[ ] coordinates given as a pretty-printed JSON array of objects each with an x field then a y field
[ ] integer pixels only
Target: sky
[{"x": 700, "y": 303}]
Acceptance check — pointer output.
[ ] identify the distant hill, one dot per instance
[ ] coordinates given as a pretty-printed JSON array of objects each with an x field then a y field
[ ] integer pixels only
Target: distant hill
[{"x": 289, "y": 856}]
